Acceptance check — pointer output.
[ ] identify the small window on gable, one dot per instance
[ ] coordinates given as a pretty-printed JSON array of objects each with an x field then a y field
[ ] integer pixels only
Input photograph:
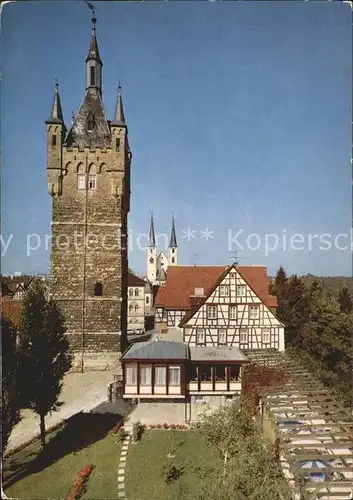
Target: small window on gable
[
  {"x": 90, "y": 122},
  {"x": 200, "y": 336},
  {"x": 98, "y": 289},
  {"x": 53, "y": 141},
  {"x": 224, "y": 291},
  {"x": 92, "y": 76}
]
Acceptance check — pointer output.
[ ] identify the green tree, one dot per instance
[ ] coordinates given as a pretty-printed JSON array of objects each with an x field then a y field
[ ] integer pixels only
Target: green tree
[
  {"x": 278, "y": 285},
  {"x": 246, "y": 469},
  {"x": 345, "y": 300},
  {"x": 45, "y": 353},
  {"x": 10, "y": 396},
  {"x": 293, "y": 308}
]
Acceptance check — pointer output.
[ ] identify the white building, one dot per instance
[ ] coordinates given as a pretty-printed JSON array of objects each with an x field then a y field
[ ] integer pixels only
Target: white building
[{"x": 158, "y": 263}]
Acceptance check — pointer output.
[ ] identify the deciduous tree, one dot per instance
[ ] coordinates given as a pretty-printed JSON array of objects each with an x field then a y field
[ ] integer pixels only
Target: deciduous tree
[
  {"x": 10, "y": 396},
  {"x": 45, "y": 353}
]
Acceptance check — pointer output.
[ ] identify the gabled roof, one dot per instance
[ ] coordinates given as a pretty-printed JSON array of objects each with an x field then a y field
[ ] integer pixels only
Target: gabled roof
[
  {"x": 156, "y": 349},
  {"x": 182, "y": 281},
  {"x": 162, "y": 275},
  {"x": 79, "y": 135},
  {"x": 254, "y": 276},
  {"x": 133, "y": 280}
]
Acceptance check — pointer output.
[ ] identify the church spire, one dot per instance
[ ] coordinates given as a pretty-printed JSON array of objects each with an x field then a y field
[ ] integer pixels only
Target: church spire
[
  {"x": 56, "y": 115},
  {"x": 173, "y": 241},
  {"x": 152, "y": 238},
  {"x": 93, "y": 61},
  {"x": 119, "y": 117}
]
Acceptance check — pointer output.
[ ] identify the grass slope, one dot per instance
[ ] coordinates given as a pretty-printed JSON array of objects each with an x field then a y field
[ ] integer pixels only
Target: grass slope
[
  {"x": 33, "y": 474},
  {"x": 146, "y": 459}
]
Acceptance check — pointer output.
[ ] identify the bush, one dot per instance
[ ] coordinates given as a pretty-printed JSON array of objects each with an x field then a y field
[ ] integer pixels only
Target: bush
[
  {"x": 137, "y": 431},
  {"x": 171, "y": 473},
  {"x": 121, "y": 434}
]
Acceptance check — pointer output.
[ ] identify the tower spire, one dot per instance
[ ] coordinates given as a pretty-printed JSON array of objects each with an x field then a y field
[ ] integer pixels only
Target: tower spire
[
  {"x": 173, "y": 241},
  {"x": 119, "y": 117},
  {"x": 152, "y": 238},
  {"x": 56, "y": 115},
  {"x": 93, "y": 61}
]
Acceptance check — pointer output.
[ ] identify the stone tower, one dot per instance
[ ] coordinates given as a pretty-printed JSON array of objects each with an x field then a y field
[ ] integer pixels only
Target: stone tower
[
  {"x": 152, "y": 254},
  {"x": 89, "y": 181},
  {"x": 173, "y": 247}
]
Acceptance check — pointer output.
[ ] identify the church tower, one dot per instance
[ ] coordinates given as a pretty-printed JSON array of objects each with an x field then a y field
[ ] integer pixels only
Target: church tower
[
  {"x": 152, "y": 254},
  {"x": 173, "y": 247},
  {"x": 88, "y": 171}
]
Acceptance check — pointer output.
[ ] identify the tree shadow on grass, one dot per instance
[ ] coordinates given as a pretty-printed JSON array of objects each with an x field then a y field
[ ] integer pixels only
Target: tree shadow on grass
[{"x": 79, "y": 432}]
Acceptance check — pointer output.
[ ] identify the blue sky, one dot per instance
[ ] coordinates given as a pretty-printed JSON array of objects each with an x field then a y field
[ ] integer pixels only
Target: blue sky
[{"x": 238, "y": 113}]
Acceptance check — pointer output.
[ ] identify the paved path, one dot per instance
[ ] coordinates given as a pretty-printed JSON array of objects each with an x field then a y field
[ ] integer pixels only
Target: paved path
[
  {"x": 122, "y": 463},
  {"x": 81, "y": 392}
]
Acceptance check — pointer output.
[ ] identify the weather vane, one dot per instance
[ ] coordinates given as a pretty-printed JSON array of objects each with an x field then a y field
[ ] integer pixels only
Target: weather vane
[{"x": 92, "y": 8}]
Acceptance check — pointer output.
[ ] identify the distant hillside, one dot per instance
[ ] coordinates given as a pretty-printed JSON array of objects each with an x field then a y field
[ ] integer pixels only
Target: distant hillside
[{"x": 332, "y": 283}]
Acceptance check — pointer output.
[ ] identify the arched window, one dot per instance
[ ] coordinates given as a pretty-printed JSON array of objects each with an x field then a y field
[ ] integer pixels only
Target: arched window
[
  {"x": 173, "y": 260},
  {"x": 173, "y": 250},
  {"x": 131, "y": 308},
  {"x": 151, "y": 260},
  {"x": 147, "y": 299},
  {"x": 131, "y": 292},
  {"x": 136, "y": 292},
  {"x": 136, "y": 307},
  {"x": 98, "y": 289}
]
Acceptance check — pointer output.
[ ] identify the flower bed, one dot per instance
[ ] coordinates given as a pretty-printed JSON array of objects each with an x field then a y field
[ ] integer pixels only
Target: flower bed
[
  {"x": 78, "y": 487},
  {"x": 35, "y": 438},
  {"x": 166, "y": 426}
]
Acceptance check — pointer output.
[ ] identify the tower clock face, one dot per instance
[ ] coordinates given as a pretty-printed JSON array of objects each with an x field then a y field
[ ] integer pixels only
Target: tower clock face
[{"x": 151, "y": 260}]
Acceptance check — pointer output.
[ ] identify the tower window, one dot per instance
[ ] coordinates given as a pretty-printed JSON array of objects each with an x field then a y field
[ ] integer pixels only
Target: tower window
[
  {"x": 98, "y": 289},
  {"x": 173, "y": 250},
  {"x": 92, "y": 76},
  {"x": 81, "y": 181},
  {"x": 173, "y": 260},
  {"x": 53, "y": 141},
  {"x": 92, "y": 182},
  {"x": 151, "y": 260},
  {"x": 117, "y": 143}
]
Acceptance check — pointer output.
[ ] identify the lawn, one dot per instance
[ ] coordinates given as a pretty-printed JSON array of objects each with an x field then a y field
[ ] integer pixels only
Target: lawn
[
  {"x": 87, "y": 438},
  {"x": 146, "y": 459}
]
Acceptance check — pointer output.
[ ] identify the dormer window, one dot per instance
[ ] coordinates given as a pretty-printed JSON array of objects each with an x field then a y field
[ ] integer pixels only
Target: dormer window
[{"x": 90, "y": 122}]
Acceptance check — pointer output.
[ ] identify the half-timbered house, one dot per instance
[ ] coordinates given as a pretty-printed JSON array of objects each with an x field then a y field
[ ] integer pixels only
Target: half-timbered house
[{"x": 207, "y": 318}]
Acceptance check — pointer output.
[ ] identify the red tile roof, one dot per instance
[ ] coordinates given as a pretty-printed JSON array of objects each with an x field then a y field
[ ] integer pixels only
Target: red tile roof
[
  {"x": 11, "y": 309},
  {"x": 133, "y": 280},
  {"x": 182, "y": 281}
]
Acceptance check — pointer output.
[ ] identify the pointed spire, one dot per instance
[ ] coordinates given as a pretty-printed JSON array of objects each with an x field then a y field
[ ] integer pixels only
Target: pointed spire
[
  {"x": 119, "y": 118},
  {"x": 152, "y": 242},
  {"x": 93, "y": 52},
  {"x": 56, "y": 115},
  {"x": 173, "y": 241}
]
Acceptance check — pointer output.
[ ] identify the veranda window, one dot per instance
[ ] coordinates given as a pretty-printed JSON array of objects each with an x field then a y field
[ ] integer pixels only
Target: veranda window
[
  {"x": 131, "y": 375},
  {"x": 193, "y": 373},
  {"x": 145, "y": 375},
  {"x": 160, "y": 375},
  {"x": 220, "y": 373},
  {"x": 234, "y": 372},
  {"x": 174, "y": 375},
  {"x": 206, "y": 373}
]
